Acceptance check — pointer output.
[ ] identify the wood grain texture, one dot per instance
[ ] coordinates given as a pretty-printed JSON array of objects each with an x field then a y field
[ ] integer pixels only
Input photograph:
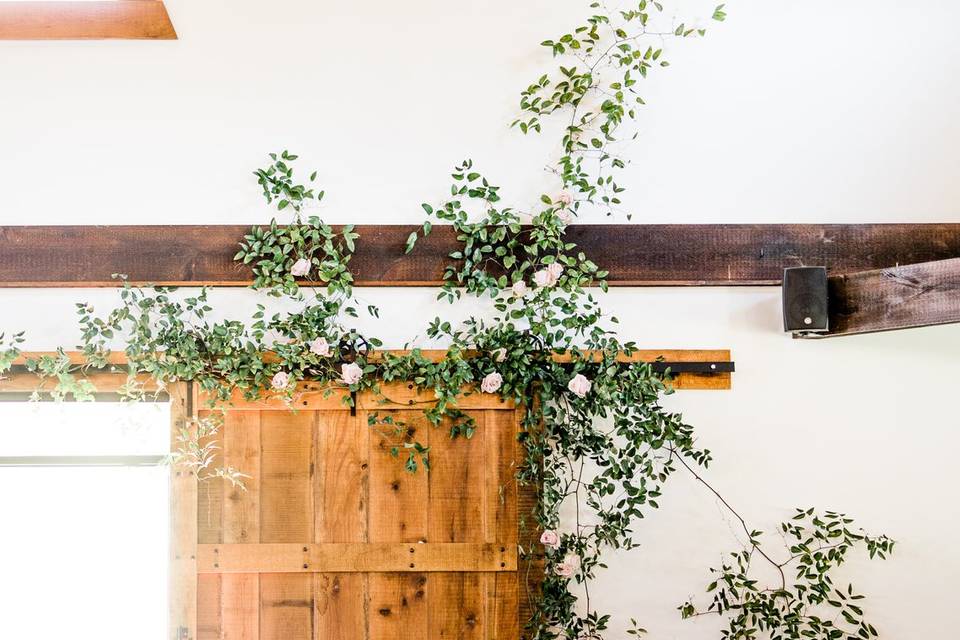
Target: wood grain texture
[
  {"x": 104, "y": 20},
  {"x": 240, "y": 606},
  {"x": 353, "y": 557},
  {"x": 286, "y": 476},
  {"x": 183, "y": 527},
  {"x": 286, "y": 606},
  {"x": 636, "y": 255},
  {"x": 913, "y": 295},
  {"x": 241, "y": 503}
]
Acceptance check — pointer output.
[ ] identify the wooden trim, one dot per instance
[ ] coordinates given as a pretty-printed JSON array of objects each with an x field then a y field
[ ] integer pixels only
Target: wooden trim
[
  {"x": 355, "y": 557},
  {"x": 903, "y": 297},
  {"x": 636, "y": 255},
  {"x": 109, "y": 19},
  {"x": 183, "y": 527}
]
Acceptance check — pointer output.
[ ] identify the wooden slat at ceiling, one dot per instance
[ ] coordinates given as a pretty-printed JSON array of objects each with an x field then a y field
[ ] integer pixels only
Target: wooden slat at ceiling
[
  {"x": 636, "y": 255},
  {"x": 87, "y": 20}
]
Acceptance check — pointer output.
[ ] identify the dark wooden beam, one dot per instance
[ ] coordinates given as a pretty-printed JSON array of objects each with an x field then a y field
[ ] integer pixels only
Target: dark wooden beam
[
  {"x": 914, "y": 295},
  {"x": 636, "y": 255}
]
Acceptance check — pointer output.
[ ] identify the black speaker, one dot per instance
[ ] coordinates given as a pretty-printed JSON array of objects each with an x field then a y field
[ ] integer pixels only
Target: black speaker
[{"x": 805, "y": 299}]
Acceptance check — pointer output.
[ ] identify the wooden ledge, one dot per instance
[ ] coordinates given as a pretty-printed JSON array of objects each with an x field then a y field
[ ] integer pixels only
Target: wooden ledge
[{"x": 399, "y": 395}]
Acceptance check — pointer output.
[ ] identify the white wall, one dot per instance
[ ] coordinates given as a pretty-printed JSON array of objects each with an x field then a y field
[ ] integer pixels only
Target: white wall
[{"x": 805, "y": 112}]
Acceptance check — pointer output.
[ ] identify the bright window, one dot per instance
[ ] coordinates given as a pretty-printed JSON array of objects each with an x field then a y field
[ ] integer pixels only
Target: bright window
[{"x": 85, "y": 520}]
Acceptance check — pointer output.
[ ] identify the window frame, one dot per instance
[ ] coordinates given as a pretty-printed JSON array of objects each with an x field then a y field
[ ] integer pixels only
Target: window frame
[{"x": 96, "y": 20}]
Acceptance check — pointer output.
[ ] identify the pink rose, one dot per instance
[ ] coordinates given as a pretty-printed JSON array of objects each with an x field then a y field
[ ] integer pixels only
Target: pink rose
[
  {"x": 579, "y": 385},
  {"x": 491, "y": 383},
  {"x": 550, "y": 539},
  {"x": 300, "y": 268},
  {"x": 320, "y": 347},
  {"x": 564, "y": 198},
  {"x": 519, "y": 288},
  {"x": 549, "y": 275},
  {"x": 499, "y": 355},
  {"x": 563, "y": 569},
  {"x": 280, "y": 380},
  {"x": 565, "y": 216},
  {"x": 351, "y": 373}
]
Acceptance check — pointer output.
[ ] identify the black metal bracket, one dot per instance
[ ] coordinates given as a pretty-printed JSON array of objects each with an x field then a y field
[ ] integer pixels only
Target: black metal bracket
[{"x": 694, "y": 367}]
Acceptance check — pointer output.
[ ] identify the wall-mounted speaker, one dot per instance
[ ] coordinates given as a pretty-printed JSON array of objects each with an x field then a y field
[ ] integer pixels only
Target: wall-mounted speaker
[{"x": 805, "y": 299}]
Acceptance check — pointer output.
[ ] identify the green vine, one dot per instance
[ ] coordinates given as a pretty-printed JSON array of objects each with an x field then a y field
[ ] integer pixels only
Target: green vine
[{"x": 595, "y": 433}]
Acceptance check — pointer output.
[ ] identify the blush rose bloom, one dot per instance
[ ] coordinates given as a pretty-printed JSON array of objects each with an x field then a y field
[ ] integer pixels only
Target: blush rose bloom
[
  {"x": 351, "y": 373},
  {"x": 320, "y": 347},
  {"x": 564, "y": 569},
  {"x": 579, "y": 385},
  {"x": 564, "y": 197},
  {"x": 281, "y": 380},
  {"x": 565, "y": 216},
  {"x": 300, "y": 268},
  {"x": 491, "y": 383},
  {"x": 549, "y": 538},
  {"x": 549, "y": 275},
  {"x": 519, "y": 288}
]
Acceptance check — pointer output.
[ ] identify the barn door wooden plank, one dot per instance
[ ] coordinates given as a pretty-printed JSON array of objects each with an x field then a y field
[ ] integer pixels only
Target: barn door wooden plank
[
  {"x": 500, "y": 485},
  {"x": 457, "y": 505},
  {"x": 341, "y": 479},
  {"x": 341, "y": 606},
  {"x": 240, "y": 592},
  {"x": 397, "y": 513},
  {"x": 503, "y": 621},
  {"x": 286, "y": 606},
  {"x": 398, "y": 499},
  {"x": 398, "y": 606},
  {"x": 209, "y": 607},
  {"x": 210, "y": 491},
  {"x": 457, "y": 606},
  {"x": 286, "y": 483},
  {"x": 286, "y": 515},
  {"x": 500, "y": 519},
  {"x": 456, "y": 479},
  {"x": 240, "y": 606},
  {"x": 241, "y": 503},
  {"x": 183, "y": 526}
]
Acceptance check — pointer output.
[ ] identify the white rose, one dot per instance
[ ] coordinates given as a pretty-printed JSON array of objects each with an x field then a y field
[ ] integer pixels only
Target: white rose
[
  {"x": 320, "y": 347},
  {"x": 280, "y": 380},
  {"x": 351, "y": 373},
  {"x": 519, "y": 288},
  {"x": 491, "y": 383},
  {"x": 300, "y": 268},
  {"x": 579, "y": 385},
  {"x": 549, "y": 275}
]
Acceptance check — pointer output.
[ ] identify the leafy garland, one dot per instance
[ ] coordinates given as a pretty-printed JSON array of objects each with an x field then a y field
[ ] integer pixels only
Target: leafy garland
[{"x": 594, "y": 431}]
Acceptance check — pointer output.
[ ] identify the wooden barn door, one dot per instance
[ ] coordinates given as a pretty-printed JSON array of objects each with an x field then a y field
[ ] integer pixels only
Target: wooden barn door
[{"x": 332, "y": 538}]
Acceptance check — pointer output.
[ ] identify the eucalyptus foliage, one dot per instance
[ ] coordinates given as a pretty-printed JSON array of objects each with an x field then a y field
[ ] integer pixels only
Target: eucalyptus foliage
[{"x": 594, "y": 430}]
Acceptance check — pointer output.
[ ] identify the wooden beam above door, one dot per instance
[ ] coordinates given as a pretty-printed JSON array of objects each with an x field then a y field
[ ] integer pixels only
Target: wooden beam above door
[{"x": 636, "y": 255}]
